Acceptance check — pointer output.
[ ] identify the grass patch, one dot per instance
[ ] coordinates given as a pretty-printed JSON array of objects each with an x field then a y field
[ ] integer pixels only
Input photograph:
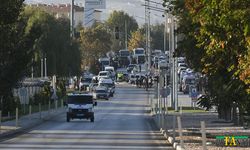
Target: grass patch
[{"x": 188, "y": 110}]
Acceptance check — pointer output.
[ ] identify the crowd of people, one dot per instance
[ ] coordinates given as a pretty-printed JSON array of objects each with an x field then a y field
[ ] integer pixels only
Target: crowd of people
[{"x": 144, "y": 81}]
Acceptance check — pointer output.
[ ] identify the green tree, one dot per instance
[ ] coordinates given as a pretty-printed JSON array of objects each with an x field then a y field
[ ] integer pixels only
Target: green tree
[
  {"x": 15, "y": 50},
  {"x": 95, "y": 43},
  {"x": 137, "y": 40},
  {"x": 117, "y": 19},
  {"x": 54, "y": 43},
  {"x": 215, "y": 43}
]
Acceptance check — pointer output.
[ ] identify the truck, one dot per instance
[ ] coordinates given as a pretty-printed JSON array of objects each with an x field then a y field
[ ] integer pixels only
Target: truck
[
  {"x": 139, "y": 55},
  {"x": 124, "y": 58},
  {"x": 80, "y": 106},
  {"x": 104, "y": 61}
]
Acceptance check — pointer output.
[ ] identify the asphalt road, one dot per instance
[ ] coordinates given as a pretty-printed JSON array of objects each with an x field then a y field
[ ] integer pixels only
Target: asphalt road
[{"x": 120, "y": 123}]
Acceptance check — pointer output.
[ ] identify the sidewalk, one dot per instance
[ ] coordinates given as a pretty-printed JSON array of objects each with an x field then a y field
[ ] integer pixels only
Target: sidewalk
[{"x": 27, "y": 122}]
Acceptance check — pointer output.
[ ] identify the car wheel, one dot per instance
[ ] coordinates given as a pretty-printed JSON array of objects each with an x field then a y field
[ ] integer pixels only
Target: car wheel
[
  {"x": 107, "y": 98},
  {"x": 68, "y": 119}
]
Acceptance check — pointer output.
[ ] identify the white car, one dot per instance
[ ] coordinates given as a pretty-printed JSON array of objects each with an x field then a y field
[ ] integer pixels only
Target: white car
[
  {"x": 111, "y": 70},
  {"x": 104, "y": 74},
  {"x": 109, "y": 83},
  {"x": 163, "y": 64}
]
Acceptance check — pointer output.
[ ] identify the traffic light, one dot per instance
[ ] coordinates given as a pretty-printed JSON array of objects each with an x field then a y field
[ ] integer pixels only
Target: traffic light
[{"x": 117, "y": 33}]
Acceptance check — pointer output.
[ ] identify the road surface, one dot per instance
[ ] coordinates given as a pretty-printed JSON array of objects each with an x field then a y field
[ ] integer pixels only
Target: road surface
[{"x": 120, "y": 123}]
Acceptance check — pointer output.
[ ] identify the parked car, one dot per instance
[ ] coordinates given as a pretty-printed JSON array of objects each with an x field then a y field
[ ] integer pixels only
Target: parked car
[{"x": 187, "y": 82}]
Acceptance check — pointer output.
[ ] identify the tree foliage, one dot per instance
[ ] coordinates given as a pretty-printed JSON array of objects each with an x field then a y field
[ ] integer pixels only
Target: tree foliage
[
  {"x": 137, "y": 40},
  {"x": 95, "y": 43},
  {"x": 63, "y": 54},
  {"x": 216, "y": 42},
  {"x": 16, "y": 46},
  {"x": 117, "y": 19}
]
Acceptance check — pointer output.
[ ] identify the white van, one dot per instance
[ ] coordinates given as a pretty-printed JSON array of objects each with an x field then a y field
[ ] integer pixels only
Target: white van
[{"x": 111, "y": 70}]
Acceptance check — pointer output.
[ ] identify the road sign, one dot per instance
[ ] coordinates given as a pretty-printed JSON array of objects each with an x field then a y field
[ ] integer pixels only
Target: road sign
[
  {"x": 193, "y": 93},
  {"x": 165, "y": 92},
  {"x": 23, "y": 91},
  {"x": 95, "y": 4}
]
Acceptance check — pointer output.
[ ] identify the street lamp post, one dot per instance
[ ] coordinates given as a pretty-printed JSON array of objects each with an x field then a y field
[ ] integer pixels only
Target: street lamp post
[
  {"x": 42, "y": 67},
  {"x": 45, "y": 66},
  {"x": 72, "y": 19}
]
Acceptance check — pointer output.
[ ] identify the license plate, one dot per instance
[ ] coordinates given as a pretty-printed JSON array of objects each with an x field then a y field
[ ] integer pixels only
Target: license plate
[{"x": 79, "y": 115}]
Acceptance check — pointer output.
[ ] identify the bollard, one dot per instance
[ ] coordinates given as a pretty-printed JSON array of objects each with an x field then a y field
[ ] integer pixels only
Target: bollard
[
  {"x": 0, "y": 121},
  {"x": 56, "y": 105},
  {"x": 16, "y": 117},
  {"x": 49, "y": 108},
  {"x": 181, "y": 110},
  {"x": 40, "y": 113},
  {"x": 62, "y": 103},
  {"x": 29, "y": 111},
  {"x": 180, "y": 131},
  {"x": 8, "y": 114},
  {"x": 174, "y": 120},
  {"x": 203, "y": 134}
]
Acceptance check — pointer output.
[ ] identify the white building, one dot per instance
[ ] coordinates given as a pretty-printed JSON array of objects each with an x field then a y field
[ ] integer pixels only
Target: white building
[{"x": 63, "y": 10}]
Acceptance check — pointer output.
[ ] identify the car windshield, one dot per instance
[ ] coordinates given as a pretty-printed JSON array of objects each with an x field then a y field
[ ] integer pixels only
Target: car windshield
[
  {"x": 190, "y": 81},
  {"x": 87, "y": 80},
  {"x": 103, "y": 74},
  {"x": 111, "y": 70},
  {"x": 139, "y": 51},
  {"x": 80, "y": 100},
  {"x": 100, "y": 91},
  {"x": 107, "y": 84},
  {"x": 131, "y": 66},
  {"x": 105, "y": 62},
  {"x": 124, "y": 53}
]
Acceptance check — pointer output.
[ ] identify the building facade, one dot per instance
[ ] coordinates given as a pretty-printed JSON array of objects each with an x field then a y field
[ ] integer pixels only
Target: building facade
[{"x": 63, "y": 10}]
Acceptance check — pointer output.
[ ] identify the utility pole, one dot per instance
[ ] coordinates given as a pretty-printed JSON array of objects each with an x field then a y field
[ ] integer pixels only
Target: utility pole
[
  {"x": 45, "y": 66},
  {"x": 176, "y": 67},
  {"x": 149, "y": 48},
  {"x": 126, "y": 35},
  {"x": 42, "y": 67},
  {"x": 72, "y": 16},
  {"x": 146, "y": 25},
  {"x": 32, "y": 68}
]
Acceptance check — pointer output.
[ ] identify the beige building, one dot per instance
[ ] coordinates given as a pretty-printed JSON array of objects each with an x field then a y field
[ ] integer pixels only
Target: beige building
[{"x": 63, "y": 10}]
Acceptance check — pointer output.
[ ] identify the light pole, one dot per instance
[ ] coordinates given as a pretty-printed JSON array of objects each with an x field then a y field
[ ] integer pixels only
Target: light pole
[
  {"x": 45, "y": 66},
  {"x": 72, "y": 15},
  {"x": 126, "y": 35},
  {"x": 42, "y": 67}
]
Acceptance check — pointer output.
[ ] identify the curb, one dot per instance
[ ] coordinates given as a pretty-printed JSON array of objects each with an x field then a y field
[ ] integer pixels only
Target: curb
[
  {"x": 176, "y": 145},
  {"x": 170, "y": 139},
  {"x": 9, "y": 134}
]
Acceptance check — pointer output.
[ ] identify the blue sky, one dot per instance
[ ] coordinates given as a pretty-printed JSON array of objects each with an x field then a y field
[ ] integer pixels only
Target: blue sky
[{"x": 132, "y": 7}]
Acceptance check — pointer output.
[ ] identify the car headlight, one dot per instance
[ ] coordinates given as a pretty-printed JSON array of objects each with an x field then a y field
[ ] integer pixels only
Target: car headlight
[
  {"x": 90, "y": 109},
  {"x": 69, "y": 109}
]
